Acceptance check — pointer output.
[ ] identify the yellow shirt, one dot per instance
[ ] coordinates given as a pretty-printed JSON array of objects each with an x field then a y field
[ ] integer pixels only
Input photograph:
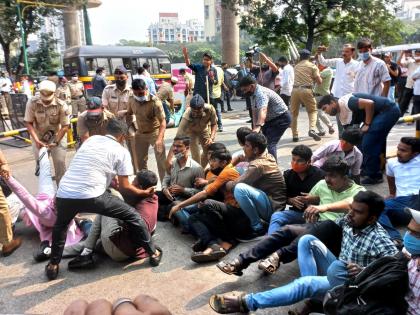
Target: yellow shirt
[
  {"x": 217, "y": 88},
  {"x": 305, "y": 73}
]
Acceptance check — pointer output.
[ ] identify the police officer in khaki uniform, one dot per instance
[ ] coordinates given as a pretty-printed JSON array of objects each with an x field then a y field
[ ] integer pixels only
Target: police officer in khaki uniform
[
  {"x": 151, "y": 125},
  {"x": 78, "y": 101},
  {"x": 166, "y": 95},
  {"x": 93, "y": 120},
  {"x": 46, "y": 116},
  {"x": 306, "y": 75},
  {"x": 195, "y": 124},
  {"x": 63, "y": 90},
  {"x": 115, "y": 99}
]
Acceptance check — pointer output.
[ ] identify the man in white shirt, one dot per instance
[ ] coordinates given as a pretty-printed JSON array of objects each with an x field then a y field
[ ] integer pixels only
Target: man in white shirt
[
  {"x": 412, "y": 64},
  {"x": 84, "y": 186},
  {"x": 372, "y": 76},
  {"x": 403, "y": 174},
  {"x": 416, "y": 97},
  {"x": 5, "y": 88},
  {"x": 141, "y": 74},
  {"x": 287, "y": 80}
]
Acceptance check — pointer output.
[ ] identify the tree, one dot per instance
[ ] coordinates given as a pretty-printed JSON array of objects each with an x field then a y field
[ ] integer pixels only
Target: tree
[
  {"x": 46, "y": 57},
  {"x": 314, "y": 21}
]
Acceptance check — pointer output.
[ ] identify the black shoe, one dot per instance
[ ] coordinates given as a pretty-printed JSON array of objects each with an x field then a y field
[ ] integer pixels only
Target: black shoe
[
  {"x": 249, "y": 121},
  {"x": 220, "y": 129},
  {"x": 82, "y": 262},
  {"x": 224, "y": 111},
  {"x": 321, "y": 134},
  {"x": 367, "y": 181},
  {"x": 230, "y": 109},
  {"x": 155, "y": 261},
  {"x": 43, "y": 253},
  {"x": 295, "y": 139},
  {"x": 314, "y": 135},
  {"x": 51, "y": 271}
]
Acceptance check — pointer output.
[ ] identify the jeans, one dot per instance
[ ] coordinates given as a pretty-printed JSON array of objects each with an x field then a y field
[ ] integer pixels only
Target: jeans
[
  {"x": 322, "y": 117},
  {"x": 274, "y": 129},
  {"x": 416, "y": 110},
  {"x": 337, "y": 273},
  {"x": 391, "y": 93},
  {"x": 375, "y": 139},
  {"x": 227, "y": 96},
  {"x": 394, "y": 214},
  {"x": 281, "y": 218},
  {"x": 214, "y": 102},
  {"x": 405, "y": 101},
  {"x": 107, "y": 205},
  {"x": 255, "y": 203},
  {"x": 167, "y": 111},
  {"x": 286, "y": 99},
  {"x": 183, "y": 215}
]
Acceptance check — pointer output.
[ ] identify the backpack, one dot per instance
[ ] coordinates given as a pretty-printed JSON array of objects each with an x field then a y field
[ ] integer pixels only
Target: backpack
[{"x": 378, "y": 290}]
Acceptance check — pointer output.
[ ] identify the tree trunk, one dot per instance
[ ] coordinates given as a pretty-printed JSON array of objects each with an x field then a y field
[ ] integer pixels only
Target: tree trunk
[
  {"x": 310, "y": 39},
  {"x": 6, "y": 51}
]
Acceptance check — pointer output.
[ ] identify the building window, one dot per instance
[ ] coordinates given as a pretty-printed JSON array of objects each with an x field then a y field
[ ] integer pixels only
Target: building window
[{"x": 206, "y": 11}]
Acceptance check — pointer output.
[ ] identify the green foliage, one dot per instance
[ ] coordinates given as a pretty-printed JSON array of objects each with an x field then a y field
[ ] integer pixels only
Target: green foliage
[
  {"x": 46, "y": 58},
  {"x": 410, "y": 31}
]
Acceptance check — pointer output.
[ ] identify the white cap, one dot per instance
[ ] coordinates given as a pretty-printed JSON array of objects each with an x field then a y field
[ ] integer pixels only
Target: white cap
[
  {"x": 174, "y": 80},
  {"x": 47, "y": 86},
  {"x": 415, "y": 214}
]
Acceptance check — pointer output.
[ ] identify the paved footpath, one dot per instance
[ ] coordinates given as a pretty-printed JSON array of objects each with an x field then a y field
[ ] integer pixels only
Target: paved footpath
[{"x": 179, "y": 283}]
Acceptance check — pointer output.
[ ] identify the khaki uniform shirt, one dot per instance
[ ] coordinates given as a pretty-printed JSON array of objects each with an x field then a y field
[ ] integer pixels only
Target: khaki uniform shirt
[
  {"x": 115, "y": 100},
  {"x": 76, "y": 89},
  {"x": 93, "y": 127},
  {"x": 51, "y": 117},
  {"x": 189, "y": 79},
  {"x": 197, "y": 125},
  {"x": 305, "y": 73},
  {"x": 148, "y": 114},
  {"x": 63, "y": 93},
  {"x": 166, "y": 92}
]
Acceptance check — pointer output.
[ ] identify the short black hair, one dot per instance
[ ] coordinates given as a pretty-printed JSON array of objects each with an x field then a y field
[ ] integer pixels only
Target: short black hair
[
  {"x": 224, "y": 64},
  {"x": 375, "y": 202},
  {"x": 182, "y": 71},
  {"x": 241, "y": 134},
  {"x": 336, "y": 165},
  {"x": 352, "y": 135},
  {"x": 283, "y": 59},
  {"x": 99, "y": 70},
  {"x": 146, "y": 179},
  {"x": 414, "y": 143},
  {"x": 327, "y": 99},
  {"x": 247, "y": 81},
  {"x": 138, "y": 84},
  {"x": 257, "y": 140},
  {"x": 303, "y": 151},
  {"x": 221, "y": 155},
  {"x": 364, "y": 43},
  {"x": 185, "y": 140},
  {"x": 146, "y": 65},
  {"x": 216, "y": 146},
  {"x": 140, "y": 70},
  {"x": 208, "y": 55},
  {"x": 116, "y": 127}
]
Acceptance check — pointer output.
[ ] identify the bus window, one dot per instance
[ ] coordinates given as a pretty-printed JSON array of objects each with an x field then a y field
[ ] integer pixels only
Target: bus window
[
  {"x": 91, "y": 66},
  {"x": 70, "y": 66},
  {"x": 115, "y": 62},
  {"x": 164, "y": 65},
  {"x": 134, "y": 64},
  {"x": 127, "y": 64},
  {"x": 103, "y": 62},
  {"x": 142, "y": 61},
  {"x": 153, "y": 65}
]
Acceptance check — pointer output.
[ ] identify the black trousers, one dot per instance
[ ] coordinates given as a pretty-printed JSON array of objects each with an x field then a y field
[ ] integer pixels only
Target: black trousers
[
  {"x": 405, "y": 101},
  {"x": 107, "y": 205},
  {"x": 286, "y": 99},
  {"x": 285, "y": 241}
]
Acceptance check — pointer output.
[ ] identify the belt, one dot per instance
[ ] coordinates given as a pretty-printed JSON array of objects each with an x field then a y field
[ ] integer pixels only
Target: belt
[{"x": 302, "y": 86}]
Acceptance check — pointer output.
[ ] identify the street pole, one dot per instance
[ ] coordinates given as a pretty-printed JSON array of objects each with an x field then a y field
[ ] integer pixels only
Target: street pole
[{"x": 22, "y": 34}]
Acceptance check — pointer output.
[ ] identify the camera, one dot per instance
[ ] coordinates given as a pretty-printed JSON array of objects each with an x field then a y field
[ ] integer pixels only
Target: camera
[{"x": 252, "y": 51}]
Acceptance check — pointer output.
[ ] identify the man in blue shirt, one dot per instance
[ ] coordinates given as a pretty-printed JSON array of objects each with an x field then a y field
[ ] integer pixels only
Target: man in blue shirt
[{"x": 205, "y": 74}]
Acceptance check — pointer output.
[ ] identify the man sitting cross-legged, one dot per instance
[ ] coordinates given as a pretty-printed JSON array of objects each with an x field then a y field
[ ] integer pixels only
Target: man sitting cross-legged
[
  {"x": 216, "y": 222},
  {"x": 333, "y": 193},
  {"x": 112, "y": 233},
  {"x": 364, "y": 241}
]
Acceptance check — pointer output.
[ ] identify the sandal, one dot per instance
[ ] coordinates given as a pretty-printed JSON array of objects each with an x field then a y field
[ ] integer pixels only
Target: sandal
[
  {"x": 229, "y": 303},
  {"x": 216, "y": 253},
  {"x": 270, "y": 264},
  {"x": 155, "y": 261},
  {"x": 233, "y": 267}
]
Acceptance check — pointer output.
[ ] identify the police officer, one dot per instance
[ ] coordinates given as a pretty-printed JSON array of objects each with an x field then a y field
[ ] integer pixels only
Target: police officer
[
  {"x": 63, "y": 90},
  {"x": 195, "y": 124},
  {"x": 78, "y": 101},
  {"x": 151, "y": 125},
  {"x": 94, "y": 120},
  {"x": 47, "y": 120},
  {"x": 306, "y": 75},
  {"x": 166, "y": 95},
  {"x": 115, "y": 99}
]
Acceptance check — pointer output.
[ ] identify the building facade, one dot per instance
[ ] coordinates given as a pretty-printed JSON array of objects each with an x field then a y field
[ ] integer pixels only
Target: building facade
[
  {"x": 410, "y": 10},
  {"x": 212, "y": 19}
]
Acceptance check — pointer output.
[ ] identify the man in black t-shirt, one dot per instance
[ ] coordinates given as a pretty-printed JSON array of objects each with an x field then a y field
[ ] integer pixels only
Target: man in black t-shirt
[{"x": 394, "y": 72}]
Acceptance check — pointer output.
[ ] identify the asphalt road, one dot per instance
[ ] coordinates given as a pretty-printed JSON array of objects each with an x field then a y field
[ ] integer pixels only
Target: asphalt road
[{"x": 179, "y": 283}]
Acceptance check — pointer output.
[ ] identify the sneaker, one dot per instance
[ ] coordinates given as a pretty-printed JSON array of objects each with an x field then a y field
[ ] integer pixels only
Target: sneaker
[
  {"x": 314, "y": 135},
  {"x": 331, "y": 130},
  {"x": 295, "y": 139},
  {"x": 43, "y": 253},
  {"x": 220, "y": 129},
  {"x": 368, "y": 181},
  {"x": 82, "y": 262}
]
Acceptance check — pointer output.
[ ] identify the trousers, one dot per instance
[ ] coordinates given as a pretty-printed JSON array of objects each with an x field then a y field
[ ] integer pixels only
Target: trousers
[
  {"x": 306, "y": 97},
  {"x": 273, "y": 130},
  {"x": 6, "y": 233},
  {"x": 198, "y": 139}
]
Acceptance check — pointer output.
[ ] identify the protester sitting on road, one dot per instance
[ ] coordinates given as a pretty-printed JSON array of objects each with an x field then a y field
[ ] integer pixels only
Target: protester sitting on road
[
  {"x": 209, "y": 176},
  {"x": 346, "y": 148},
  {"x": 238, "y": 157},
  {"x": 378, "y": 115},
  {"x": 112, "y": 234},
  {"x": 364, "y": 241},
  {"x": 403, "y": 174},
  {"x": 40, "y": 209},
  {"x": 261, "y": 190},
  {"x": 178, "y": 184},
  {"x": 98, "y": 160},
  {"x": 215, "y": 220},
  {"x": 300, "y": 180},
  {"x": 332, "y": 194}
]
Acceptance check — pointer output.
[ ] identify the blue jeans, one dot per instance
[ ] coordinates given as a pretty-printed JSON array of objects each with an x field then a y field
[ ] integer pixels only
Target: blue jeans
[
  {"x": 281, "y": 218},
  {"x": 375, "y": 139},
  {"x": 254, "y": 203},
  {"x": 394, "y": 214},
  {"x": 214, "y": 102},
  {"x": 167, "y": 111},
  {"x": 337, "y": 273},
  {"x": 391, "y": 93},
  {"x": 274, "y": 129},
  {"x": 183, "y": 215}
]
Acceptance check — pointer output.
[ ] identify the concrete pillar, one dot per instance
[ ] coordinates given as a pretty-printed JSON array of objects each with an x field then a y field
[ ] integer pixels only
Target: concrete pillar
[
  {"x": 230, "y": 37},
  {"x": 71, "y": 28}
]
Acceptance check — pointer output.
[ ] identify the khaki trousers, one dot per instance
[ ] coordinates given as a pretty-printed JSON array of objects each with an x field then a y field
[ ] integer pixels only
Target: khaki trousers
[
  {"x": 6, "y": 234},
  {"x": 196, "y": 139},
  {"x": 78, "y": 106},
  {"x": 6, "y": 103},
  {"x": 305, "y": 97},
  {"x": 58, "y": 155},
  {"x": 143, "y": 142}
]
